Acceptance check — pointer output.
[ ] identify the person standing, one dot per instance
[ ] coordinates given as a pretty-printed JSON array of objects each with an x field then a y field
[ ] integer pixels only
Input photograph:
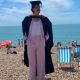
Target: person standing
[{"x": 37, "y": 31}]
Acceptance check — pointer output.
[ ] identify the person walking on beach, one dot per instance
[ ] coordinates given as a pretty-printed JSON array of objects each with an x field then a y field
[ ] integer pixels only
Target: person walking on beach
[{"x": 37, "y": 31}]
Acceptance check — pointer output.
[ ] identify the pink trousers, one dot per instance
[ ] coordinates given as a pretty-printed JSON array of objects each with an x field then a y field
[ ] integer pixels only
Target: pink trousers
[{"x": 36, "y": 56}]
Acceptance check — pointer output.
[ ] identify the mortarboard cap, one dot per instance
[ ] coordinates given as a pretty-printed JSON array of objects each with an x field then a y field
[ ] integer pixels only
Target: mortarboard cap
[{"x": 33, "y": 3}]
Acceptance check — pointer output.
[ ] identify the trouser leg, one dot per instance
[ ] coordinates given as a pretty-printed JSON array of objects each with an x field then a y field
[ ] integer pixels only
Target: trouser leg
[
  {"x": 32, "y": 62},
  {"x": 40, "y": 62}
]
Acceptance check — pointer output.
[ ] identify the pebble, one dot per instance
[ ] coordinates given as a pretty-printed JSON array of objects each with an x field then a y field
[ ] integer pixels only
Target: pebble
[{"x": 12, "y": 68}]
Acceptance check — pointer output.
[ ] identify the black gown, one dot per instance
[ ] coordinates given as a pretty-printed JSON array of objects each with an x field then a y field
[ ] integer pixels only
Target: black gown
[{"x": 47, "y": 28}]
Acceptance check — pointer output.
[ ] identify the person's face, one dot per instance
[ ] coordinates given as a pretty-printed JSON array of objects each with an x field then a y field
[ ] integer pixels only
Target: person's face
[{"x": 36, "y": 9}]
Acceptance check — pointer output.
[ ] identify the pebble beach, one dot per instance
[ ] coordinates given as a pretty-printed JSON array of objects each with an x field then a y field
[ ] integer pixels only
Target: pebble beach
[{"x": 12, "y": 68}]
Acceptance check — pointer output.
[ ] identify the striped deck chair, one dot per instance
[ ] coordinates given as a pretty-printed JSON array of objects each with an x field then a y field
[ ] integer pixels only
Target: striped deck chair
[
  {"x": 64, "y": 55},
  {"x": 77, "y": 54},
  {"x": 77, "y": 51}
]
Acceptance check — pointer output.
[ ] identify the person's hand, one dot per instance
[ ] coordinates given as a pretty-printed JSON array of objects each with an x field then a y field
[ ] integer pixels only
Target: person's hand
[
  {"x": 47, "y": 37},
  {"x": 25, "y": 37}
]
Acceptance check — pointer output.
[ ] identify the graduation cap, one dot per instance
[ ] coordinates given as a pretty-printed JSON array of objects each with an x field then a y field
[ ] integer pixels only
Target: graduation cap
[{"x": 33, "y": 3}]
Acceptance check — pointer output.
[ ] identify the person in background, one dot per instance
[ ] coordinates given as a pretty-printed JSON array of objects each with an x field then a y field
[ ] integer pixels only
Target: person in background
[
  {"x": 22, "y": 42},
  {"x": 19, "y": 43},
  {"x": 38, "y": 40},
  {"x": 8, "y": 47}
]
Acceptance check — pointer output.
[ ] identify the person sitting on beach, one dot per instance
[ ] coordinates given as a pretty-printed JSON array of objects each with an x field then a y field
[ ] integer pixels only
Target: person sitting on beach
[
  {"x": 38, "y": 32},
  {"x": 74, "y": 43},
  {"x": 8, "y": 49}
]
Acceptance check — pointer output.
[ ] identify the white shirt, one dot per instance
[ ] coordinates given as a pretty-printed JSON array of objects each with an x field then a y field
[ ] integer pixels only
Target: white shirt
[{"x": 36, "y": 27}]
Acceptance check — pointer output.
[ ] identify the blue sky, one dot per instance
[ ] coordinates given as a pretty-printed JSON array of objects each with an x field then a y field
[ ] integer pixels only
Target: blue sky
[{"x": 12, "y": 12}]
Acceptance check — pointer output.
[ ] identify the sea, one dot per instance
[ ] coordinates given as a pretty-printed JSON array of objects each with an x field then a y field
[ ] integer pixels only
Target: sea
[{"x": 64, "y": 33}]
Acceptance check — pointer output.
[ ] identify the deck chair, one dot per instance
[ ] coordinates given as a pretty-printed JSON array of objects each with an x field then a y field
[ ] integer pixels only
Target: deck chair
[
  {"x": 65, "y": 56},
  {"x": 77, "y": 54}
]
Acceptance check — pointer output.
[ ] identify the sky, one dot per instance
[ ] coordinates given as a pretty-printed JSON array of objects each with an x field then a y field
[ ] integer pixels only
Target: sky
[{"x": 12, "y": 12}]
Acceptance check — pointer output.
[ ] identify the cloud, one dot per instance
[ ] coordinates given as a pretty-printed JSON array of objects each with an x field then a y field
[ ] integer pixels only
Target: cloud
[
  {"x": 8, "y": 20},
  {"x": 14, "y": 10},
  {"x": 20, "y": 1},
  {"x": 53, "y": 8},
  {"x": 58, "y": 11},
  {"x": 12, "y": 16},
  {"x": 64, "y": 3},
  {"x": 1, "y": 1},
  {"x": 65, "y": 18},
  {"x": 58, "y": 3}
]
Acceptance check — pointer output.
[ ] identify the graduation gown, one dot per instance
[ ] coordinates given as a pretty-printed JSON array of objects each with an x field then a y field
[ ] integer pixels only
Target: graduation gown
[{"x": 47, "y": 28}]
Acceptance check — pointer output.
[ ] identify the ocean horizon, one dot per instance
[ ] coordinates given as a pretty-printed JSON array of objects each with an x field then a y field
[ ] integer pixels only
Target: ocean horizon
[{"x": 64, "y": 33}]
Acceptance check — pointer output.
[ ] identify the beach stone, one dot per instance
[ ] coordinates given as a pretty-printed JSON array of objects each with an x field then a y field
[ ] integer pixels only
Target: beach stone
[{"x": 12, "y": 68}]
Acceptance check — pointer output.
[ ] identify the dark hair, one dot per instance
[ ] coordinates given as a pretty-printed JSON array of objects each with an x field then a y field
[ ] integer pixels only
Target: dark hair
[
  {"x": 32, "y": 9},
  {"x": 34, "y": 3},
  {"x": 33, "y": 6}
]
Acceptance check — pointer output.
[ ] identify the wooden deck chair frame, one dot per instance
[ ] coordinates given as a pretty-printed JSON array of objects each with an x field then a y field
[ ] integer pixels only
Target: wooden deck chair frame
[{"x": 65, "y": 56}]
